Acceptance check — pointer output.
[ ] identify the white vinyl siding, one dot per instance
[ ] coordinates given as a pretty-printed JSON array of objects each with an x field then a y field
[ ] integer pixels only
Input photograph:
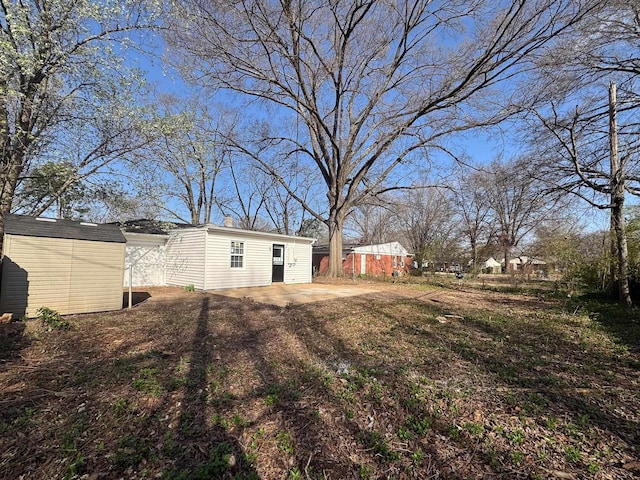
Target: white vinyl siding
[
  {"x": 69, "y": 276},
  {"x": 186, "y": 256},
  {"x": 209, "y": 258},
  {"x": 256, "y": 270},
  {"x": 147, "y": 259},
  {"x": 297, "y": 263}
]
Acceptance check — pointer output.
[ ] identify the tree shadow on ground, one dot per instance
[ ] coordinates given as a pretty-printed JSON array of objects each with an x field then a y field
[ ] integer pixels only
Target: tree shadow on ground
[
  {"x": 204, "y": 451},
  {"x": 95, "y": 407},
  {"x": 531, "y": 377},
  {"x": 623, "y": 323}
]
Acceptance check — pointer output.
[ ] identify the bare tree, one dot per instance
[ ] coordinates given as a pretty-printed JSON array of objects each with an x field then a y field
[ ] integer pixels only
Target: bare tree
[
  {"x": 471, "y": 202},
  {"x": 583, "y": 158},
  {"x": 519, "y": 202},
  {"x": 281, "y": 207},
  {"x": 246, "y": 197},
  {"x": 373, "y": 83},
  {"x": 588, "y": 146},
  {"x": 611, "y": 41},
  {"x": 375, "y": 221},
  {"x": 187, "y": 158},
  {"x": 428, "y": 225}
]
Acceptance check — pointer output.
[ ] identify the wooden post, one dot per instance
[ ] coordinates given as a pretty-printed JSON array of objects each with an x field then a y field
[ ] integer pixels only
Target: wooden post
[{"x": 130, "y": 285}]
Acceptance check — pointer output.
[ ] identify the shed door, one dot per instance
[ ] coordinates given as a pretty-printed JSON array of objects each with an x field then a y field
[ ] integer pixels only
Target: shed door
[
  {"x": 363, "y": 264},
  {"x": 277, "y": 269}
]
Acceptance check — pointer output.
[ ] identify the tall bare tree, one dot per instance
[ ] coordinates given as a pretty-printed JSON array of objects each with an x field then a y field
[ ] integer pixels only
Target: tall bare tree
[
  {"x": 471, "y": 202},
  {"x": 588, "y": 145},
  {"x": 375, "y": 221},
  {"x": 373, "y": 83},
  {"x": 582, "y": 156},
  {"x": 246, "y": 197},
  {"x": 280, "y": 206},
  {"x": 428, "y": 225}
]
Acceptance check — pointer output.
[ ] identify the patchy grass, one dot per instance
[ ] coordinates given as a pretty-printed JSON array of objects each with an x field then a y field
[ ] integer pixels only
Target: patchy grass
[{"x": 414, "y": 382}]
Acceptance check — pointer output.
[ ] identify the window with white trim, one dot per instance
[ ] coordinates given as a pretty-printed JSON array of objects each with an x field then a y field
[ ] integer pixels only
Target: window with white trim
[{"x": 237, "y": 254}]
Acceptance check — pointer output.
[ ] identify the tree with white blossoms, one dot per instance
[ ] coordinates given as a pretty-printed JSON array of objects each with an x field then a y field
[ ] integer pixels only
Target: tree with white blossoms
[
  {"x": 373, "y": 84},
  {"x": 58, "y": 60}
]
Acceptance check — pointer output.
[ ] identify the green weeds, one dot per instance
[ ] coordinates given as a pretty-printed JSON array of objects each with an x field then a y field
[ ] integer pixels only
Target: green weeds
[
  {"x": 51, "y": 320},
  {"x": 285, "y": 442},
  {"x": 147, "y": 382}
]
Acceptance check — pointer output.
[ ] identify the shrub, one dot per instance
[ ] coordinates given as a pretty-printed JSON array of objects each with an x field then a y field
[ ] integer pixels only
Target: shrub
[{"x": 51, "y": 320}]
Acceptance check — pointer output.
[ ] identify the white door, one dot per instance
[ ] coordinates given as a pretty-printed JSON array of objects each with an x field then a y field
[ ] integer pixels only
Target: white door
[{"x": 363, "y": 264}]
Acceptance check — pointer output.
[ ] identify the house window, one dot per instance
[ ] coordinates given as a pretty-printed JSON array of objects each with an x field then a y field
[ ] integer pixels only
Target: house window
[{"x": 237, "y": 254}]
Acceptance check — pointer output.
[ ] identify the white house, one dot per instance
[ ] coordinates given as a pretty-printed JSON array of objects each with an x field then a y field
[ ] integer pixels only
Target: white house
[
  {"x": 527, "y": 264},
  {"x": 145, "y": 259},
  {"x": 492, "y": 265},
  {"x": 213, "y": 257}
]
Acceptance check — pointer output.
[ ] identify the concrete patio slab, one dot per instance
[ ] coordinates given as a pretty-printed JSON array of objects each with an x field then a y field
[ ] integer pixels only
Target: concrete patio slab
[{"x": 282, "y": 295}]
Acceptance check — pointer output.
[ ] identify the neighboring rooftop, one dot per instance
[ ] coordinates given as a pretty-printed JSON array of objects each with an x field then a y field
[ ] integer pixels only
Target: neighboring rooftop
[
  {"x": 154, "y": 227},
  {"x": 56, "y": 228}
]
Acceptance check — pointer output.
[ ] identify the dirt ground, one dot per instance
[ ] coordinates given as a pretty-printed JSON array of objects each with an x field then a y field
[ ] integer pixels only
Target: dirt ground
[
  {"x": 461, "y": 298},
  {"x": 403, "y": 381},
  {"x": 278, "y": 294}
]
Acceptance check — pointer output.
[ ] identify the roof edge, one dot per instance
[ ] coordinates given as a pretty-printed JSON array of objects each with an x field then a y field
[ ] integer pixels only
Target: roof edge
[{"x": 218, "y": 228}]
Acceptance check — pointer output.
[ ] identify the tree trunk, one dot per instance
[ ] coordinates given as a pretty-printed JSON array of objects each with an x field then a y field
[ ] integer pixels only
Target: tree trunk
[
  {"x": 617, "y": 214},
  {"x": 474, "y": 257},
  {"x": 613, "y": 256},
  {"x": 506, "y": 260},
  {"x": 336, "y": 222},
  {"x": 9, "y": 180},
  {"x": 617, "y": 180}
]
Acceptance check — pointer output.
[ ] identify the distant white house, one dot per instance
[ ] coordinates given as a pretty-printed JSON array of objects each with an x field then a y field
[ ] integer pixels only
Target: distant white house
[
  {"x": 526, "y": 264},
  {"x": 492, "y": 265},
  {"x": 213, "y": 257}
]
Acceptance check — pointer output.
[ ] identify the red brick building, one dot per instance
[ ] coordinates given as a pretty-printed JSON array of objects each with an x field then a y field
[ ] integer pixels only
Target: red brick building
[{"x": 386, "y": 259}]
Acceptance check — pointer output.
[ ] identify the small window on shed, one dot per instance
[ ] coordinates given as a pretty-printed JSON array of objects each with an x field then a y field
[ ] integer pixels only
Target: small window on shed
[{"x": 237, "y": 254}]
